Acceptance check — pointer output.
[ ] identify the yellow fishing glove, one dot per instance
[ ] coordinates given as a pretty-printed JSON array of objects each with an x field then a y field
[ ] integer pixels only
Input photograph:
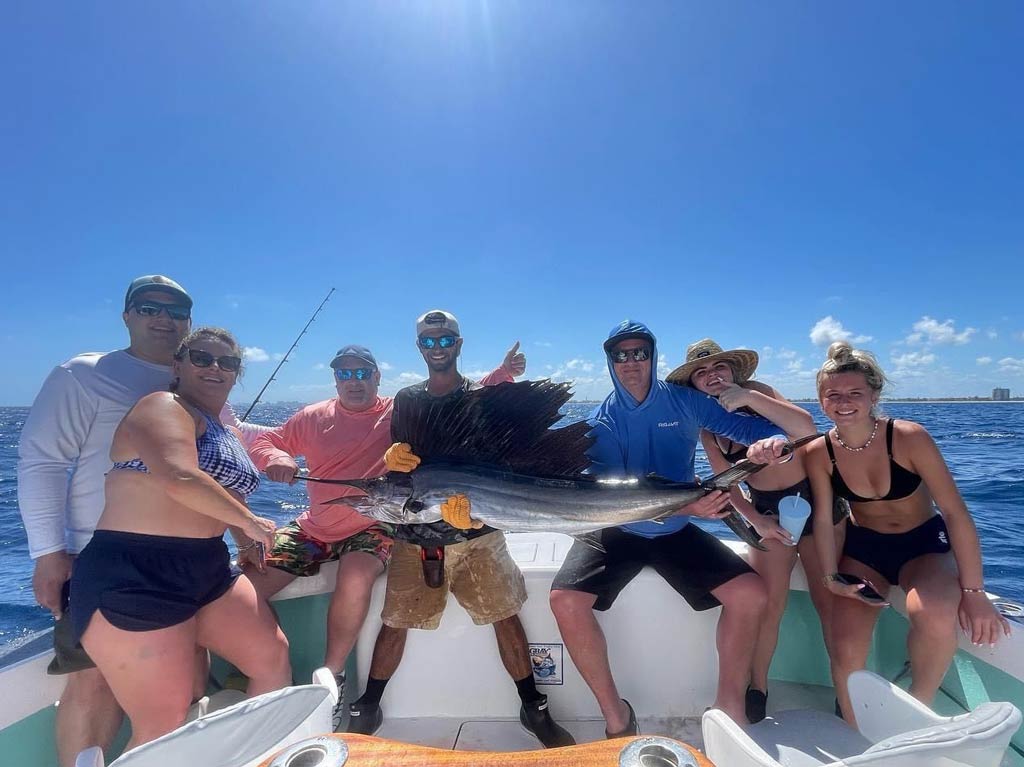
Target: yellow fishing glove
[
  {"x": 455, "y": 511},
  {"x": 399, "y": 457}
]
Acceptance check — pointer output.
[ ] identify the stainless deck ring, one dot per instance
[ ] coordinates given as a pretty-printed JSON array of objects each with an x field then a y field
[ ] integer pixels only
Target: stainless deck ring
[
  {"x": 322, "y": 751},
  {"x": 655, "y": 752}
]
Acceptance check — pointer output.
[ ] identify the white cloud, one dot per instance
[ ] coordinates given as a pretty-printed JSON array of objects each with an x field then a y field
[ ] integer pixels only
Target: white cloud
[
  {"x": 545, "y": 344},
  {"x": 829, "y": 330},
  {"x": 320, "y": 366},
  {"x": 930, "y": 331},
  {"x": 992, "y": 334},
  {"x": 579, "y": 364},
  {"x": 984, "y": 360},
  {"x": 385, "y": 366},
  {"x": 278, "y": 356},
  {"x": 912, "y": 360},
  {"x": 786, "y": 354},
  {"x": 255, "y": 354},
  {"x": 1011, "y": 365}
]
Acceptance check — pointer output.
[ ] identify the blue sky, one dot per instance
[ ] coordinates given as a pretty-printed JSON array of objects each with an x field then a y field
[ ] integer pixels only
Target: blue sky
[{"x": 770, "y": 175}]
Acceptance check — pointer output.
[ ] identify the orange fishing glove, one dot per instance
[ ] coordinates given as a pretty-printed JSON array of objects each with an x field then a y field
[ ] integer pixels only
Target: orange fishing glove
[
  {"x": 455, "y": 511},
  {"x": 399, "y": 457}
]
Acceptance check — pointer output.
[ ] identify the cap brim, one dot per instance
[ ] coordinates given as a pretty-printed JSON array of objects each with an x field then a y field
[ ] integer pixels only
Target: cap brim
[
  {"x": 743, "y": 361},
  {"x": 182, "y": 297},
  {"x": 611, "y": 342}
]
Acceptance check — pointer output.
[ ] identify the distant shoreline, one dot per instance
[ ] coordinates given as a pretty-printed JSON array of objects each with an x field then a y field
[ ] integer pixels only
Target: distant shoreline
[
  {"x": 940, "y": 401},
  {"x": 239, "y": 406}
]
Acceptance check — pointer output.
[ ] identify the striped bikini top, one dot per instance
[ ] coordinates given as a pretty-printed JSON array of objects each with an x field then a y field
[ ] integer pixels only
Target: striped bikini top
[{"x": 221, "y": 455}]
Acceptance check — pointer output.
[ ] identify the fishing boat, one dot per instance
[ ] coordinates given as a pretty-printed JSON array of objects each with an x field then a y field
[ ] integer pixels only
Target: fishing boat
[{"x": 452, "y": 693}]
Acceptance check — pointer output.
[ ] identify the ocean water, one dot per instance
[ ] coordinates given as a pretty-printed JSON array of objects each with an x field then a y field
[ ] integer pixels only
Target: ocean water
[{"x": 980, "y": 442}]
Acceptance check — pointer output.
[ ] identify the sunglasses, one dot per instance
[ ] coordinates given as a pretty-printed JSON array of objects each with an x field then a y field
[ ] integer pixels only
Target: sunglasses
[
  {"x": 174, "y": 311},
  {"x": 202, "y": 359},
  {"x": 360, "y": 374},
  {"x": 639, "y": 354},
  {"x": 427, "y": 342}
]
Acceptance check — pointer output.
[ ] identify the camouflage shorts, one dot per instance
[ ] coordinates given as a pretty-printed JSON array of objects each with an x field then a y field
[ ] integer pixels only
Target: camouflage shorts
[{"x": 297, "y": 552}]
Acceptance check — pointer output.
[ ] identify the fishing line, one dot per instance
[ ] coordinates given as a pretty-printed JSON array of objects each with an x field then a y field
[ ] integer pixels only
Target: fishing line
[{"x": 284, "y": 359}]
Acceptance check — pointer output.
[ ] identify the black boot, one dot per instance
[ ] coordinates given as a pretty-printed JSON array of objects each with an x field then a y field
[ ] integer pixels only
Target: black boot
[
  {"x": 535, "y": 717},
  {"x": 365, "y": 718}
]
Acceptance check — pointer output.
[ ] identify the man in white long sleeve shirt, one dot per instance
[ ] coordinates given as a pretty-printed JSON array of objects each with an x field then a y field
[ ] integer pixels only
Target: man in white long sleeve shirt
[{"x": 64, "y": 454}]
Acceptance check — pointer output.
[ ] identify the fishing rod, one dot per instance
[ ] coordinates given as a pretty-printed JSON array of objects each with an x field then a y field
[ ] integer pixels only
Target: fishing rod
[{"x": 284, "y": 359}]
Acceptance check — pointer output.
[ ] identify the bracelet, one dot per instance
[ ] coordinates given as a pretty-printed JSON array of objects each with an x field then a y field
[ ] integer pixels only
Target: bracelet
[
  {"x": 973, "y": 591},
  {"x": 830, "y": 578},
  {"x": 246, "y": 547}
]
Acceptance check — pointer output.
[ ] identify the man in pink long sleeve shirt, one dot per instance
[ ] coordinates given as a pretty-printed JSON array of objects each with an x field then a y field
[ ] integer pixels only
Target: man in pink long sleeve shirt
[{"x": 341, "y": 438}]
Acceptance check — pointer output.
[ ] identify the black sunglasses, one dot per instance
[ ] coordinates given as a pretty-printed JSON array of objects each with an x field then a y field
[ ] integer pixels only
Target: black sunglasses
[
  {"x": 174, "y": 311},
  {"x": 359, "y": 373},
  {"x": 202, "y": 359},
  {"x": 640, "y": 354},
  {"x": 428, "y": 342}
]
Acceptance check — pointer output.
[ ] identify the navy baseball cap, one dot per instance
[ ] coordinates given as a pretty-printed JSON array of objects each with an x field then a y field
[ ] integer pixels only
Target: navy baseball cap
[
  {"x": 625, "y": 330},
  {"x": 354, "y": 350},
  {"x": 160, "y": 283}
]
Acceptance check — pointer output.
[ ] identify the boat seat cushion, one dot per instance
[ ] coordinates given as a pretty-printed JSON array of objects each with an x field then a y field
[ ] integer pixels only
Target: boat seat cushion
[
  {"x": 246, "y": 733},
  {"x": 807, "y": 738}
]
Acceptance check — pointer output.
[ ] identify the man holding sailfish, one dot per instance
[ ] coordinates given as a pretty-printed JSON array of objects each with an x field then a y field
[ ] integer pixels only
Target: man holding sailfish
[
  {"x": 433, "y": 557},
  {"x": 500, "y": 437}
]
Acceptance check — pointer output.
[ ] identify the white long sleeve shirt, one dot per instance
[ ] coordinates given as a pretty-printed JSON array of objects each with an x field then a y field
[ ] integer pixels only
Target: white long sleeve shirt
[{"x": 64, "y": 451}]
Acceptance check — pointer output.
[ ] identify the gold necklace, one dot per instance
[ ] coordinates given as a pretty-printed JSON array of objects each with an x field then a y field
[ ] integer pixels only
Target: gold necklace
[{"x": 865, "y": 446}]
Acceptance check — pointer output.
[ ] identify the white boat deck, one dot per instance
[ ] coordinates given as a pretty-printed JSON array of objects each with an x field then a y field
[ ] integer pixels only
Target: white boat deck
[{"x": 501, "y": 734}]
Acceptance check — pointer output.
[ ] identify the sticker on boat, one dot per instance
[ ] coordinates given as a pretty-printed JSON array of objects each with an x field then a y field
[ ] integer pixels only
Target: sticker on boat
[{"x": 547, "y": 663}]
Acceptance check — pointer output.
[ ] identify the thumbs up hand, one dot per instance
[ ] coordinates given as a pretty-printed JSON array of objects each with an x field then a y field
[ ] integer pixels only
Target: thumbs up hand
[{"x": 515, "y": 361}]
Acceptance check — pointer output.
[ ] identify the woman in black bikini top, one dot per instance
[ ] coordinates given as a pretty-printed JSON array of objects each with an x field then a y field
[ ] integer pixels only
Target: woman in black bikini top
[
  {"x": 902, "y": 482},
  {"x": 897, "y": 537}
]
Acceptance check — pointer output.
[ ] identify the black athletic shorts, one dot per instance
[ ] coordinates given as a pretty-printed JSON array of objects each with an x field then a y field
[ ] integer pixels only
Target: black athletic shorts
[
  {"x": 886, "y": 553},
  {"x": 146, "y": 582},
  {"x": 694, "y": 563}
]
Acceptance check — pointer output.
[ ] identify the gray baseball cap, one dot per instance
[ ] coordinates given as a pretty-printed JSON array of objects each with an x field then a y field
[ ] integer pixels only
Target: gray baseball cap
[
  {"x": 437, "y": 318},
  {"x": 156, "y": 282}
]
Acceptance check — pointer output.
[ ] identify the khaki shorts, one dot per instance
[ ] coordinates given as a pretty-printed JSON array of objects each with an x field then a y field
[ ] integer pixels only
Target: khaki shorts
[{"x": 480, "y": 573}]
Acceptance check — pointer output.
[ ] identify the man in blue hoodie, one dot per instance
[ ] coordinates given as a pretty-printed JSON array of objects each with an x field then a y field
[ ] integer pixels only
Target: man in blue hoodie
[{"x": 647, "y": 426}]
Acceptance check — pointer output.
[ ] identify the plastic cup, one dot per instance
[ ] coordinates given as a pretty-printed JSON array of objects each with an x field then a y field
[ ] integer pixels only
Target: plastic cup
[{"x": 793, "y": 514}]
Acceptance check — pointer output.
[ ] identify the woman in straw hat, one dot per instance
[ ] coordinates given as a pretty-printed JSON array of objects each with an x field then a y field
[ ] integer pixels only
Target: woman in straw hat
[{"x": 726, "y": 375}]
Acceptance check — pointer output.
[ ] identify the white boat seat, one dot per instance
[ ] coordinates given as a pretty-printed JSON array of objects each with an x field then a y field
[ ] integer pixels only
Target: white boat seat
[
  {"x": 895, "y": 730},
  {"x": 243, "y": 735}
]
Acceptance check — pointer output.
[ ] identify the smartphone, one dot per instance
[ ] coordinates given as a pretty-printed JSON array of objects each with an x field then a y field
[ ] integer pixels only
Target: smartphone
[{"x": 868, "y": 593}]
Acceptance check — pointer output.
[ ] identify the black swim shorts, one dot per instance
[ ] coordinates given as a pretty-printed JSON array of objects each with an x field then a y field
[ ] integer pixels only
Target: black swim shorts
[
  {"x": 145, "y": 582},
  {"x": 692, "y": 561},
  {"x": 886, "y": 553}
]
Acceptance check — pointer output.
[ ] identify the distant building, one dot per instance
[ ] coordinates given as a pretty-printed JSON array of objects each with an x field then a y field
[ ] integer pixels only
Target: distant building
[{"x": 1000, "y": 394}]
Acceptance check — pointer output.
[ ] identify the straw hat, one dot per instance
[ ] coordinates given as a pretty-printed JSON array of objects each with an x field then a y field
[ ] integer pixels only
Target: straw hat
[{"x": 706, "y": 352}]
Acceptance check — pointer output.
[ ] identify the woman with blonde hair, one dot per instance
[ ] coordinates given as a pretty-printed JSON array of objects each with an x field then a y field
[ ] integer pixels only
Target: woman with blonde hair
[
  {"x": 894, "y": 477},
  {"x": 155, "y": 581},
  {"x": 726, "y": 375}
]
